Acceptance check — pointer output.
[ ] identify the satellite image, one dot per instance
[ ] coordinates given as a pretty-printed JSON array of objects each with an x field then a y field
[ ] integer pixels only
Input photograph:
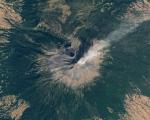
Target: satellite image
[{"x": 74, "y": 59}]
